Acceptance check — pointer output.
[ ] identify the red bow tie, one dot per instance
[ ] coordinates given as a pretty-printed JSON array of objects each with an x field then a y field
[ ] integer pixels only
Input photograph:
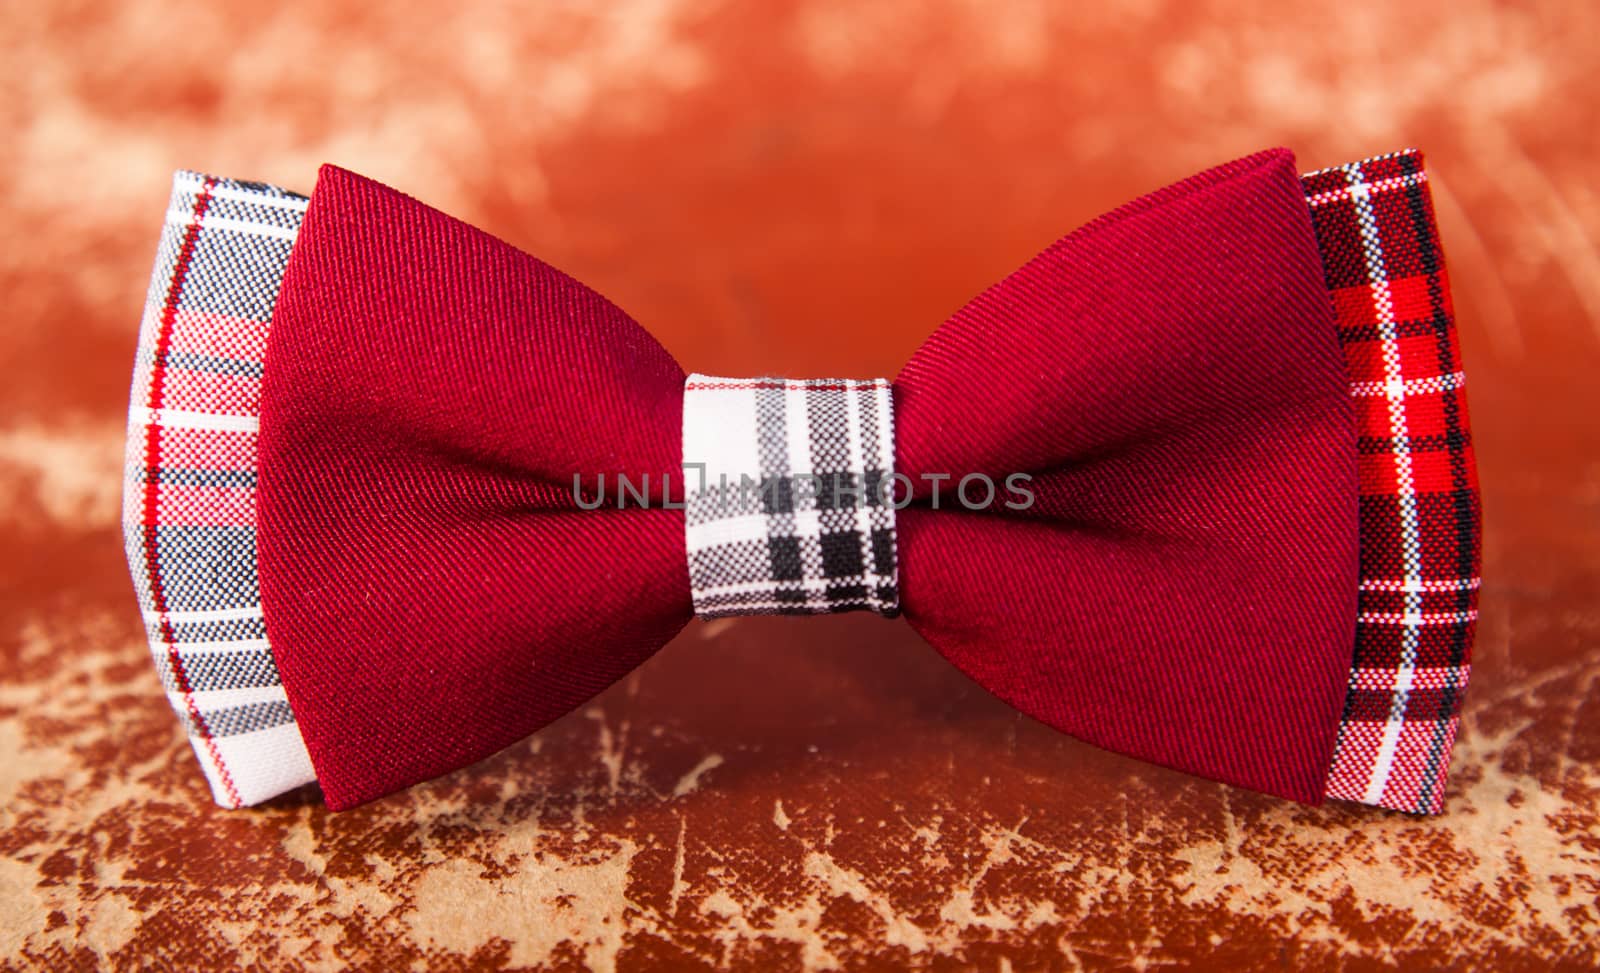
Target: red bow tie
[{"x": 1209, "y": 496}]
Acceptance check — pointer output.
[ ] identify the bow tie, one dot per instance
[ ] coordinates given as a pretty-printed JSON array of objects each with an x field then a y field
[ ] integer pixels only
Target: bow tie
[{"x": 1194, "y": 484}]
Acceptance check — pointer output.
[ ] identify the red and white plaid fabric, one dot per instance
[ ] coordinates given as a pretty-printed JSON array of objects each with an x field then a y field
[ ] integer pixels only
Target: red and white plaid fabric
[
  {"x": 189, "y": 515},
  {"x": 1420, "y": 516},
  {"x": 189, "y": 511}
]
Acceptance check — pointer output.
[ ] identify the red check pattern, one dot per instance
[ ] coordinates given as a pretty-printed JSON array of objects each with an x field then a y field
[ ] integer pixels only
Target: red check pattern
[{"x": 1420, "y": 513}]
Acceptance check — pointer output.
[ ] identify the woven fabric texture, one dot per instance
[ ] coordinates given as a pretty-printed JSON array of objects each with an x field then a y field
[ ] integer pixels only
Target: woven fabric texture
[
  {"x": 435, "y": 595},
  {"x": 191, "y": 521},
  {"x": 1420, "y": 514},
  {"x": 189, "y": 516},
  {"x": 788, "y": 485},
  {"x": 1170, "y": 376}
]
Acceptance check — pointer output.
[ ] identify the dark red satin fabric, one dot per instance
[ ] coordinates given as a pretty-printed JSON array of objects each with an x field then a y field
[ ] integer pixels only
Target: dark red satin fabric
[
  {"x": 432, "y": 595},
  {"x": 1184, "y": 591}
]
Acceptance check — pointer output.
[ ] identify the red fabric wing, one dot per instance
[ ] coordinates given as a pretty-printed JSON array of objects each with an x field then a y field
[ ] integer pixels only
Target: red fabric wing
[
  {"x": 433, "y": 594},
  {"x": 1184, "y": 588}
]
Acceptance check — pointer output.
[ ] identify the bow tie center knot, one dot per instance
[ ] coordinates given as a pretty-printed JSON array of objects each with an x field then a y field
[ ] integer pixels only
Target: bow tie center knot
[{"x": 790, "y": 507}]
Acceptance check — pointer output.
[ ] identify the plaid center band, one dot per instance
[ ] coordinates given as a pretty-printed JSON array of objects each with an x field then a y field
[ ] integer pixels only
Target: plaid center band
[{"x": 789, "y": 507}]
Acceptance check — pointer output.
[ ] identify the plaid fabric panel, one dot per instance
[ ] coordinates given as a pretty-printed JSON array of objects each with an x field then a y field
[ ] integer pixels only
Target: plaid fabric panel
[
  {"x": 1420, "y": 516},
  {"x": 189, "y": 494},
  {"x": 788, "y": 507}
]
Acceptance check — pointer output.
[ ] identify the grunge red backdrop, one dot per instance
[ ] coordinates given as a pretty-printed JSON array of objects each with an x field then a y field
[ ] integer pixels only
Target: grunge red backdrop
[{"x": 803, "y": 188}]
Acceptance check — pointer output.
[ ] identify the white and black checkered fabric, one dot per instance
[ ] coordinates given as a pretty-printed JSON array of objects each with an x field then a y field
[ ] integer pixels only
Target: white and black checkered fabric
[{"x": 790, "y": 495}]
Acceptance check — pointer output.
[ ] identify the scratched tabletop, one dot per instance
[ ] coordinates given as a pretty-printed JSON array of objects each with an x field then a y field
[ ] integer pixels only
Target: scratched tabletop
[{"x": 802, "y": 189}]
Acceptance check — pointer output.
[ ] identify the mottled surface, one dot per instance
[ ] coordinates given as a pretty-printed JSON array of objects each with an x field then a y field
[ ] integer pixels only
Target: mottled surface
[{"x": 760, "y": 184}]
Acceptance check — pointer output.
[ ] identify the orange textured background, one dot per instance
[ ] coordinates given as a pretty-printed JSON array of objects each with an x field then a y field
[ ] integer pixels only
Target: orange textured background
[{"x": 805, "y": 188}]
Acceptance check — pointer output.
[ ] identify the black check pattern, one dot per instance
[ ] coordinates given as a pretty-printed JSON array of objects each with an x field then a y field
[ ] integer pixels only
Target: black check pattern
[{"x": 792, "y": 514}]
